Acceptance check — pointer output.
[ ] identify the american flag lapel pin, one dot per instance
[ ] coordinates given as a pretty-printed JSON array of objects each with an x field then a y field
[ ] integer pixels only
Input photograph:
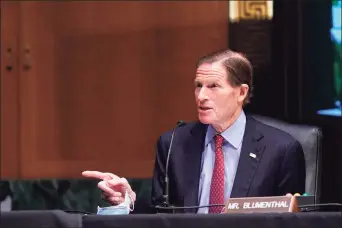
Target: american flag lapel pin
[{"x": 252, "y": 155}]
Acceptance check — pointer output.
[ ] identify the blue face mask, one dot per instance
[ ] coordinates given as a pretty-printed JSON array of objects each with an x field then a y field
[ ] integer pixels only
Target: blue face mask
[{"x": 121, "y": 209}]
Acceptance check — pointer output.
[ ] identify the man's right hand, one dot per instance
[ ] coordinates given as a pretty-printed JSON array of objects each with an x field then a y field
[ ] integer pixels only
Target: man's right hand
[{"x": 113, "y": 187}]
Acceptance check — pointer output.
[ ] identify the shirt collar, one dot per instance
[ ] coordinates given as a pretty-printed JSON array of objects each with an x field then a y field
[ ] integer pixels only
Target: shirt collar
[{"x": 233, "y": 135}]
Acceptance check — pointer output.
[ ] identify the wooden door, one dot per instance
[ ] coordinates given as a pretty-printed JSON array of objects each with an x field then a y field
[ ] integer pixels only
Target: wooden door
[
  {"x": 9, "y": 100},
  {"x": 102, "y": 80}
]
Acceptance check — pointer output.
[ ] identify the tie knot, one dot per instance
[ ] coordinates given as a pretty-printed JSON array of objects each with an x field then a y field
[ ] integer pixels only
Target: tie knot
[{"x": 218, "y": 140}]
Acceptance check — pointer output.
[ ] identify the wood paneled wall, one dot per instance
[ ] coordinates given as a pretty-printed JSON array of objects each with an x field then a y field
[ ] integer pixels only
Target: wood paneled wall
[{"x": 94, "y": 84}]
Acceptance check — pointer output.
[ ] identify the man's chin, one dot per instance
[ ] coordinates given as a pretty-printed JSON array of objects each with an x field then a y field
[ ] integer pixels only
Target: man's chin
[{"x": 204, "y": 119}]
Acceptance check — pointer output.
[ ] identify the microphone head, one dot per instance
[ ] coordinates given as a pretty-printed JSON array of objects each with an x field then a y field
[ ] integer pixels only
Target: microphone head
[{"x": 180, "y": 123}]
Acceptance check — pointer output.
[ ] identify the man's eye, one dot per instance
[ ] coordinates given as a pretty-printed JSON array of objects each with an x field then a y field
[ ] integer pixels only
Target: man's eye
[
  {"x": 212, "y": 86},
  {"x": 198, "y": 85}
]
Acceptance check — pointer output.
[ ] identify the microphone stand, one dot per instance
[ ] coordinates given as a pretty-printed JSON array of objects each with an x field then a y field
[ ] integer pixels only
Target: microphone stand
[{"x": 166, "y": 201}]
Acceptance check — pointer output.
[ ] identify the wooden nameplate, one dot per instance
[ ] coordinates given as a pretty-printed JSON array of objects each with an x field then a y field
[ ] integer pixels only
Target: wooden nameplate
[{"x": 262, "y": 205}]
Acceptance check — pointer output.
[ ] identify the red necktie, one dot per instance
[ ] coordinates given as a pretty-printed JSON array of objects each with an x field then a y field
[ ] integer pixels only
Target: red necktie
[{"x": 217, "y": 180}]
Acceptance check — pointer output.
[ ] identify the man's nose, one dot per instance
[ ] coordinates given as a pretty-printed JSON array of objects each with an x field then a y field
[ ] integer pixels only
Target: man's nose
[{"x": 202, "y": 94}]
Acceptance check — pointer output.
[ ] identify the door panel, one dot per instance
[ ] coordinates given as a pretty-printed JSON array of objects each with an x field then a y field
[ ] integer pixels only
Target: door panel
[{"x": 9, "y": 90}]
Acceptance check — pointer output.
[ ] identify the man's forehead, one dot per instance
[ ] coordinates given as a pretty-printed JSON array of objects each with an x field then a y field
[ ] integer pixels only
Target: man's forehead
[
  {"x": 211, "y": 69},
  {"x": 210, "y": 66}
]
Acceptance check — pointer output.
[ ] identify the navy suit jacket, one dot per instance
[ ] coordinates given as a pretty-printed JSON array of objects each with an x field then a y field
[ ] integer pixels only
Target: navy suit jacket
[{"x": 277, "y": 169}]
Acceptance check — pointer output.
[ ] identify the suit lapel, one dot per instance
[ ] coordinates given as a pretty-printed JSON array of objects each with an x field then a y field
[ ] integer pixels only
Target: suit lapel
[
  {"x": 247, "y": 166},
  {"x": 192, "y": 165}
]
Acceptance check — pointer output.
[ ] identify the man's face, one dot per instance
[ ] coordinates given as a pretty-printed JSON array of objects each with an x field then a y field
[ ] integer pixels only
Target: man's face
[{"x": 217, "y": 101}]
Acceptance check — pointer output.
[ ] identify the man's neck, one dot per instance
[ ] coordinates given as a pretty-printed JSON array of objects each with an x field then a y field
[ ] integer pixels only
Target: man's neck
[{"x": 222, "y": 127}]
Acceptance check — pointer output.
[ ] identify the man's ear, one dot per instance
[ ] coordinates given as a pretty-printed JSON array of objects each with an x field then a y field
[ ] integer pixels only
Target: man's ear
[{"x": 243, "y": 91}]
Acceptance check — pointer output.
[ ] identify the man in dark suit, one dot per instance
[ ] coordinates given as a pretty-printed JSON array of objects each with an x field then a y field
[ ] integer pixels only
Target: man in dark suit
[{"x": 226, "y": 154}]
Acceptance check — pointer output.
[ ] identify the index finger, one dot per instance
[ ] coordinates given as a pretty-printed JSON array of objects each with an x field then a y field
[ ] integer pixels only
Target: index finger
[{"x": 99, "y": 175}]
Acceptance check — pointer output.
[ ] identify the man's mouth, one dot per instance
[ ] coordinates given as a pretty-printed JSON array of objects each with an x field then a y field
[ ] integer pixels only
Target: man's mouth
[{"x": 203, "y": 108}]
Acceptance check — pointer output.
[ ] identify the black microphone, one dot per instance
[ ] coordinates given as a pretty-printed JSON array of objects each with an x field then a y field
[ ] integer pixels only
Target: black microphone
[{"x": 166, "y": 202}]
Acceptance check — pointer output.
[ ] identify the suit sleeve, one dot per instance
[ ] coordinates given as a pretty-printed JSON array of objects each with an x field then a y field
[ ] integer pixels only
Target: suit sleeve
[
  {"x": 291, "y": 178},
  {"x": 147, "y": 205}
]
